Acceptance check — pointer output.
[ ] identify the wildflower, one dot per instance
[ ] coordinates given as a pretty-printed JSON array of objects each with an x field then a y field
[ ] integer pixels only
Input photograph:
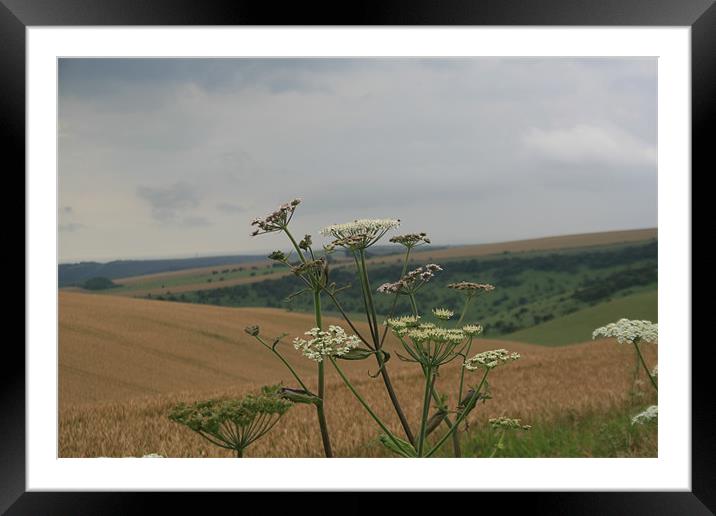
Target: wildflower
[
  {"x": 410, "y": 240},
  {"x": 305, "y": 243},
  {"x": 507, "y": 423},
  {"x": 403, "y": 322},
  {"x": 334, "y": 342},
  {"x": 360, "y": 233},
  {"x": 490, "y": 359},
  {"x": 233, "y": 423},
  {"x": 443, "y": 313},
  {"x": 472, "y": 329},
  {"x": 277, "y": 220},
  {"x": 252, "y": 330},
  {"x": 411, "y": 281},
  {"x": 471, "y": 288},
  {"x": 646, "y": 416},
  {"x": 390, "y": 288},
  {"x": 315, "y": 266},
  {"x": 433, "y": 334},
  {"x": 626, "y": 330}
]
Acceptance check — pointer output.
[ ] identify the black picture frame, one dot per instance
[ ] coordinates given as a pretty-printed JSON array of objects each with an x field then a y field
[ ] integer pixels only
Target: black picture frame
[{"x": 16, "y": 15}]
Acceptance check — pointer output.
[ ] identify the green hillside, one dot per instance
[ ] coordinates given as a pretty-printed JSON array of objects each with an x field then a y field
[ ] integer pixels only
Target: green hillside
[{"x": 578, "y": 326}]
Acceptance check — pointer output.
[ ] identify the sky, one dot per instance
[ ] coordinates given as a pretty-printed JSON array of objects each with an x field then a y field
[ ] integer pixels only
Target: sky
[{"x": 162, "y": 158}]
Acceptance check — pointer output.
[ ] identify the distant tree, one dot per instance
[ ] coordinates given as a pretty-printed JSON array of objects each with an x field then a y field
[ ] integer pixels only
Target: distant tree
[{"x": 99, "y": 283}]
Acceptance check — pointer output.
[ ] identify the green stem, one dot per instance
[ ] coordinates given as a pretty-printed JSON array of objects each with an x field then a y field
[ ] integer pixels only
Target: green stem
[
  {"x": 322, "y": 423},
  {"x": 463, "y": 415},
  {"x": 643, "y": 363},
  {"x": 448, "y": 422},
  {"x": 413, "y": 304},
  {"x": 293, "y": 372},
  {"x": 295, "y": 245},
  {"x": 369, "y": 293},
  {"x": 395, "y": 296},
  {"x": 362, "y": 402},
  {"x": 498, "y": 445},
  {"x": 462, "y": 370},
  {"x": 468, "y": 299},
  {"x": 426, "y": 406},
  {"x": 365, "y": 300}
]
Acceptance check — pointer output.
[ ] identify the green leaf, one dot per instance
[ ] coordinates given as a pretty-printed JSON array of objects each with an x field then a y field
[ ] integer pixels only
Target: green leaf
[
  {"x": 397, "y": 445},
  {"x": 300, "y": 396},
  {"x": 356, "y": 354}
]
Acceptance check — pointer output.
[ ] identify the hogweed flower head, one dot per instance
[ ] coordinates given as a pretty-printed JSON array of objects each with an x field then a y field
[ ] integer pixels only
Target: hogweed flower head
[
  {"x": 429, "y": 344},
  {"x": 433, "y": 334},
  {"x": 646, "y": 416},
  {"x": 490, "y": 359},
  {"x": 411, "y": 281},
  {"x": 506, "y": 423},
  {"x": 360, "y": 233},
  {"x": 277, "y": 220},
  {"x": 629, "y": 331},
  {"x": 470, "y": 288},
  {"x": 233, "y": 423},
  {"x": 334, "y": 343},
  {"x": 390, "y": 288},
  {"x": 472, "y": 329},
  {"x": 410, "y": 240},
  {"x": 403, "y": 322},
  {"x": 443, "y": 313}
]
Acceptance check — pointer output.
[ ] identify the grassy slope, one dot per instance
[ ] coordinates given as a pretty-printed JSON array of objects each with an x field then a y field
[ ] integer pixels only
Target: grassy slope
[{"x": 578, "y": 326}]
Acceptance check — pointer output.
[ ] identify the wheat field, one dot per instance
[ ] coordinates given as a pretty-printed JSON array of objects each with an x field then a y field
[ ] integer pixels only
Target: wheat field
[{"x": 124, "y": 362}]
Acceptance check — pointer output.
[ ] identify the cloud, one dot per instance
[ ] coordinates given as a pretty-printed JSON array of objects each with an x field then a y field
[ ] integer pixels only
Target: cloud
[
  {"x": 230, "y": 208},
  {"x": 468, "y": 149},
  {"x": 195, "y": 222},
  {"x": 71, "y": 227},
  {"x": 168, "y": 203},
  {"x": 587, "y": 144}
]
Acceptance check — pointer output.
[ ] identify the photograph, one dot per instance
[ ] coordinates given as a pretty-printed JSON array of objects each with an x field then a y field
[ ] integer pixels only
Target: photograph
[{"x": 358, "y": 257}]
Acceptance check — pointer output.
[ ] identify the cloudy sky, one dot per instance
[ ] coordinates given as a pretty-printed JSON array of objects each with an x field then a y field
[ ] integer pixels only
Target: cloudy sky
[{"x": 174, "y": 157}]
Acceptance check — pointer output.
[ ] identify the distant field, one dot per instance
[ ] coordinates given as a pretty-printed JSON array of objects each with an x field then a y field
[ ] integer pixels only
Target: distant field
[
  {"x": 534, "y": 244},
  {"x": 190, "y": 280},
  {"x": 578, "y": 326},
  {"x": 124, "y": 362}
]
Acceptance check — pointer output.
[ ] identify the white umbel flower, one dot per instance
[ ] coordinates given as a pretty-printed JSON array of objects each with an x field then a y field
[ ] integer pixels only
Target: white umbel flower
[
  {"x": 443, "y": 313},
  {"x": 334, "y": 342},
  {"x": 646, "y": 416},
  {"x": 360, "y": 233},
  {"x": 507, "y": 423},
  {"x": 490, "y": 359},
  {"x": 472, "y": 329},
  {"x": 628, "y": 331}
]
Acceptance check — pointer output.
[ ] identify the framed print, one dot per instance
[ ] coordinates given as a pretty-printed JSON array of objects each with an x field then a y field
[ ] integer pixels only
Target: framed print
[{"x": 460, "y": 290}]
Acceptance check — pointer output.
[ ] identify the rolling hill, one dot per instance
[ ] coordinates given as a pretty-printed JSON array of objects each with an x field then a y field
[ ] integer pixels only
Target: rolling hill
[
  {"x": 578, "y": 326},
  {"x": 124, "y": 362},
  {"x": 217, "y": 275}
]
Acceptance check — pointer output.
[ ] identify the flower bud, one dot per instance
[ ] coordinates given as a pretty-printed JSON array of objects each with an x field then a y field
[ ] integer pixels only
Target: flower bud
[{"x": 252, "y": 330}]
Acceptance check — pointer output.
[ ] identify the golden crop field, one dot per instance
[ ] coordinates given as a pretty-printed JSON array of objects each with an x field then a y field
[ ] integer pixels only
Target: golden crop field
[
  {"x": 451, "y": 253},
  {"x": 124, "y": 362}
]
